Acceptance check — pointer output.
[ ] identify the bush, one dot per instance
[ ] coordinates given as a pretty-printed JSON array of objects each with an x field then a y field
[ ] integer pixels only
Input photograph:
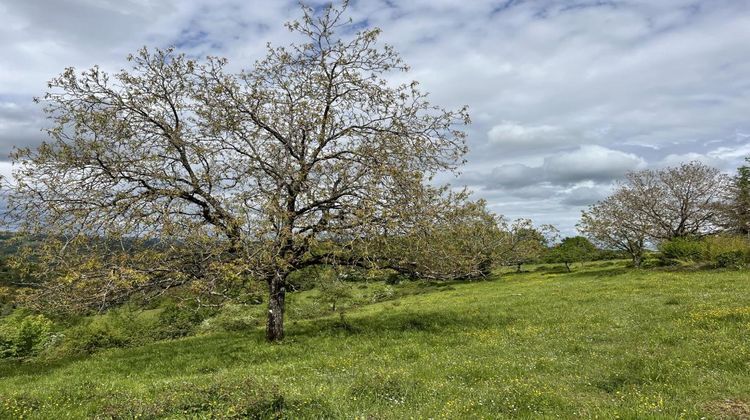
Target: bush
[
  {"x": 333, "y": 291},
  {"x": 386, "y": 293},
  {"x": 572, "y": 250},
  {"x": 129, "y": 326},
  {"x": 118, "y": 328},
  {"x": 723, "y": 251},
  {"x": 175, "y": 321},
  {"x": 24, "y": 335},
  {"x": 682, "y": 250},
  {"x": 732, "y": 259},
  {"x": 727, "y": 251}
]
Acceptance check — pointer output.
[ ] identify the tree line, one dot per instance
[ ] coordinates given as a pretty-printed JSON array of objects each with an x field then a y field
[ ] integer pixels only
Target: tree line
[
  {"x": 655, "y": 206},
  {"x": 177, "y": 173}
]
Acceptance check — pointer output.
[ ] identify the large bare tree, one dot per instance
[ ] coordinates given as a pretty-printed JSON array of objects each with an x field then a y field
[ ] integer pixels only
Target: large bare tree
[
  {"x": 679, "y": 201},
  {"x": 657, "y": 205},
  {"x": 249, "y": 175}
]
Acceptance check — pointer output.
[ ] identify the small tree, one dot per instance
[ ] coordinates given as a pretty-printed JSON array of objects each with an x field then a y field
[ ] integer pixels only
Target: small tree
[
  {"x": 213, "y": 177},
  {"x": 573, "y": 249},
  {"x": 613, "y": 224},
  {"x": 446, "y": 236},
  {"x": 332, "y": 289},
  {"x": 737, "y": 209},
  {"x": 523, "y": 242}
]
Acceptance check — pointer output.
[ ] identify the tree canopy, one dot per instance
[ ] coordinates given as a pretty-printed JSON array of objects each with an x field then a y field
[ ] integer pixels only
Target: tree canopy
[
  {"x": 737, "y": 210},
  {"x": 573, "y": 249},
  {"x": 652, "y": 206},
  {"x": 229, "y": 176},
  {"x": 523, "y": 242},
  {"x": 676, "y": 202},
  {"x": 613, "y": 224}
]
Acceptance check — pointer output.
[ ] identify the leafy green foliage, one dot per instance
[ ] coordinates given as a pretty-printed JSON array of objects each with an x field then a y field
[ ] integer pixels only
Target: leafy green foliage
[
  {"x": 129, "y": 326},
  {"x": 681, "y": 250},
  {"x": 232, "y": 318},
  {"x": 175, "y": 321},
  {"x": 118, "y": 328},
  {"x": 737, "y": 209},
  {"x": 727, "y": 251},
  {"x": 332, "y": 289},
  {"x": 631, "y": 343},
  {"x": 724, "y": 251},
  {"x": 23, "y": 334},
  {"x": 573, "y": 249}
]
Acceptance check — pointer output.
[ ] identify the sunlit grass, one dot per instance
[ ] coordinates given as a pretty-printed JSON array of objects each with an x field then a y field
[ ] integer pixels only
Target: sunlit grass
[{"x": 602, "y": 341}]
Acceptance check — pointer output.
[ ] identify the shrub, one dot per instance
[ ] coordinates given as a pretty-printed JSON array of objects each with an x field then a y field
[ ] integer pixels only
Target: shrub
[
  {"x": 724, "y": 251},
  {"x": 681, "y": 250},
  {"x": 386, "y": 293},
  {"x": 727, "y": 251},
  {"x": 24, "y": 335},
  {"x": 571, "y": 250},
  {"x": 130, "y": 326},
  {"x": 117, "y": 328},
  {"x": 175, "y": 321},
  {"x": 394, "y": 278},
  {"x": 731, "y": 259},
  {"x": 332, "y": 290}
]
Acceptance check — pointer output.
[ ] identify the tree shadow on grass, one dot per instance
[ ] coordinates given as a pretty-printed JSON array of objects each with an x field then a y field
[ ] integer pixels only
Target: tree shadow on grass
[
  {"x": 182, "y": 353},
  {"x": 609, "y": 272},
  {"x": 14, "y": 368},
  {"x": 189, "y": 355},
  {"x": 404, "y": 322}
]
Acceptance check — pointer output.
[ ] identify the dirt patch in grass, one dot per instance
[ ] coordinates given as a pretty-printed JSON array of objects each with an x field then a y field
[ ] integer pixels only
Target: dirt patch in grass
[{"x": 729, "y": 409}]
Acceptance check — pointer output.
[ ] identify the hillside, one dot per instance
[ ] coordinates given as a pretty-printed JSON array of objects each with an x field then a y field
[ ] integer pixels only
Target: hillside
[{"x": 602, "y": 341}]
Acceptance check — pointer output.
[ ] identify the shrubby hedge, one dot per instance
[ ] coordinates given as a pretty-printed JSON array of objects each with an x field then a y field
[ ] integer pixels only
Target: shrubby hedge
[
  {"x": 681, "y": 250},
  {"x": 727, "y": 251},
  {"x": 128, "y": 326},
  {"x": 721, "y": 251}
]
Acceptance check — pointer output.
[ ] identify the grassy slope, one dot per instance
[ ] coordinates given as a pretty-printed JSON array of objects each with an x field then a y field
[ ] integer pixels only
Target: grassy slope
[{"x": 603, "y": 341}]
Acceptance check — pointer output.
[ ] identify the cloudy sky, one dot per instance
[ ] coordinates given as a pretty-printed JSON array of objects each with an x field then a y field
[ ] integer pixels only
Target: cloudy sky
[{"x": 565, "y": 96}]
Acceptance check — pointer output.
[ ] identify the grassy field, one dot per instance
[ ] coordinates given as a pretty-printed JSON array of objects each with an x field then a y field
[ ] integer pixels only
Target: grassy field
[{"x": 603, "y": 341}]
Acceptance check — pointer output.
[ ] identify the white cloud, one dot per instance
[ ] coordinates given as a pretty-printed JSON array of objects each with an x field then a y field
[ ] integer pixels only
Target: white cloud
[
  {"x": 585, "y": 195},
  {"x": 726, "y": 157},
  {"x": 587, "y": 163},
  {"x": 591, "y": 162},
  {"x": 560, "y": 95},
  {"x": 515, "y": 136}
]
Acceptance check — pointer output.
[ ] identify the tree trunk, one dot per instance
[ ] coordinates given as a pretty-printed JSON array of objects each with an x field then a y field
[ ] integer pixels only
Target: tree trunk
[
  {"x": 518, "y": 269},
  {"x": 277, "y": 294},
  {"x": 637, "y": 261},
  {"x": 567, "y": 265}
]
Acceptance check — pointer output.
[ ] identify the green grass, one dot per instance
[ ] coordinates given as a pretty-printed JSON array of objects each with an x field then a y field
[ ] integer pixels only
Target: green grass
[{"x": 603, "y": 341}]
